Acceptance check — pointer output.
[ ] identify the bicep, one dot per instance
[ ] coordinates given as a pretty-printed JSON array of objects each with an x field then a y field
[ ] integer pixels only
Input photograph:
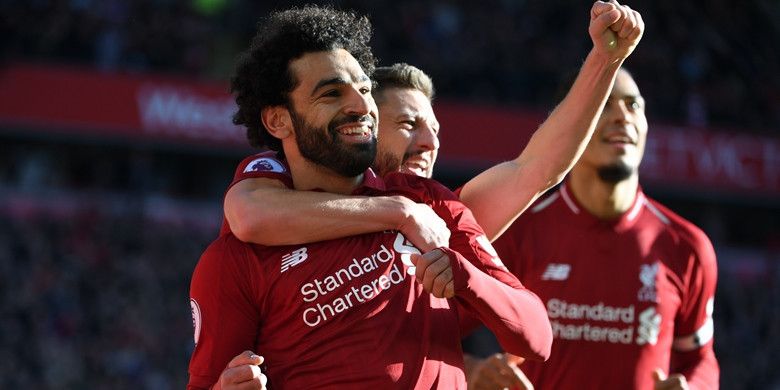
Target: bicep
[
  {"x": 250, "y": 203},
  {"x": 500, "y": 194},
  {"x": 264, "y": 211}
]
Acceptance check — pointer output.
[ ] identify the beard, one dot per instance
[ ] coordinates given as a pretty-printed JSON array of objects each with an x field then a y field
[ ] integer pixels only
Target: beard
[
  {"x": 387, "y": 162},
  {"x": 323, "y": 146},
  {"x": 615, "y": 173}
]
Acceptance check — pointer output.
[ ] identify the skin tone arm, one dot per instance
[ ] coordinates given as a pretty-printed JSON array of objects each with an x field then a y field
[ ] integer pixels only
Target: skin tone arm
[
  {"x": 557, "y": 145},
  {"x": 266, "y": 212},
  {"x": 594, "y": 82},
  {"x": 276, "y": 211}
]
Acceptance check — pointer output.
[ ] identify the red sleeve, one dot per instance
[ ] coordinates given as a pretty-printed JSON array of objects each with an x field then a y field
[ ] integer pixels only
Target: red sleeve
[
  {"x": 265, "y": 165},
  {"x": 487, "y": 290},
  {"x": 223, "y": 296},
  {"x": 692, "y": 352}
]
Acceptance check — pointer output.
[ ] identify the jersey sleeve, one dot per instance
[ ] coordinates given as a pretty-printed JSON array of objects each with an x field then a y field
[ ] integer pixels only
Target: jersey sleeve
[
  {"x": 263, "y": 165},
  {"x": 692, "y": 352},
  {"x": 485, "y": 289},
  {"x": 224, "y": 305},
  {"x": 508, "y": 248}
]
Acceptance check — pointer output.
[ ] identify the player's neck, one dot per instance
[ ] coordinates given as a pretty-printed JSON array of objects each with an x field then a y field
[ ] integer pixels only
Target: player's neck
[
  {"x": 308, "y": 176},
  {"x": 602, "y": 199}
]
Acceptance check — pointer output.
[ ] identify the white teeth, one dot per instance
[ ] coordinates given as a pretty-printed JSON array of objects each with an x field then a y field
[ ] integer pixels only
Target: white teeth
[{"x": 354, "y": 130}]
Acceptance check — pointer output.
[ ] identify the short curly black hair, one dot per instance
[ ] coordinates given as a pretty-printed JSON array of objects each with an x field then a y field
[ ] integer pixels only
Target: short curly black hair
[{"x": 262, "y": 77}]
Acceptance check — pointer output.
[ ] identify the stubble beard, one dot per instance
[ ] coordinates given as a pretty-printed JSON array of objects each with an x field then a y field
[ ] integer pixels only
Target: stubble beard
[
  {"x": 615, "y": 173},
  {"x": 324, "y": 147}
]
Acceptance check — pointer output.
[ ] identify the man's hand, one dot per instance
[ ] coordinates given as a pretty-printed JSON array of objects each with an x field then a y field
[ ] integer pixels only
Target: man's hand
[
  {"x": 497, "y": 372},
  {"x": 434, "y": 272},
  {"x": 243, "y": 372},
  {"x": 615, "y": 29},
  {"x": 673, "y": 382},
  {"x": 423, "y": 227}
]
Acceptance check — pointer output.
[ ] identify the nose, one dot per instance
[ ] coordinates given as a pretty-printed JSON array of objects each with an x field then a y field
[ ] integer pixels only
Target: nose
[
  {"x": 622, "y": 112},
  {"x": 359, "y": 103},
  {"x": 427, "y": 137}
]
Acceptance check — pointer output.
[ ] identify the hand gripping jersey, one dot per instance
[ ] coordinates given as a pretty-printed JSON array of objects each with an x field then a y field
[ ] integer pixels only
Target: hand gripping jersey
[
  {"x": 624, "y": 297},
  {"x": 348, "y": 313}
]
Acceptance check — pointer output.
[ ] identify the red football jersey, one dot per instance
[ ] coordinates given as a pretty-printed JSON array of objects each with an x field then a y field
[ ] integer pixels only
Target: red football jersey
[
  {"x": 624, "y": 297},
  {"x": 348, "y": 313}
]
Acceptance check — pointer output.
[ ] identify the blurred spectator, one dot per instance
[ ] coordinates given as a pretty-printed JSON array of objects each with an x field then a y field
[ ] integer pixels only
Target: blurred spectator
[
  {"x": 713, "y": 65},
  {"x": 95, "y": 300}
]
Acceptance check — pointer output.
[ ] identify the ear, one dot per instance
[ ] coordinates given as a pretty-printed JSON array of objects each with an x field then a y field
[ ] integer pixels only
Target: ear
[{"x": 277, "y": 121}]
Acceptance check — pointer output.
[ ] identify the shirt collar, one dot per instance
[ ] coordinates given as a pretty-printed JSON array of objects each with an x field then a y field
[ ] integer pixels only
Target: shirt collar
[
  {"x": 624, "y": 220},
  {"x": 371, "y": 181}
]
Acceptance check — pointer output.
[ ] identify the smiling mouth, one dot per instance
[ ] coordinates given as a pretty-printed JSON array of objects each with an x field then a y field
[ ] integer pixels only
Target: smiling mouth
[
  {"x": 619, "y": 140},
  {"x": 363, "y": 130},
  {"x": 416, "y": 165}
]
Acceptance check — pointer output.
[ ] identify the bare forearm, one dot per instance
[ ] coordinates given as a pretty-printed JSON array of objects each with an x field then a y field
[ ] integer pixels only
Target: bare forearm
[
  {"x": 550, "y": 154},
  {"x": 559, "y": 142},
  {"x": 280, "y": 216},
  {"x": 500, "y": 194}
]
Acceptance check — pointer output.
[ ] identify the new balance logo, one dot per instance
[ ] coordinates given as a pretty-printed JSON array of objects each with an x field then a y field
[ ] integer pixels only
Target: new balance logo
[
  {"x": 294, "y": 258},
  {"x": 556, "y": 272}
]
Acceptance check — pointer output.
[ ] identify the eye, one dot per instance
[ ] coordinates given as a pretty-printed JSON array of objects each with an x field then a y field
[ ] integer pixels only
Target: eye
[
  {"x": 330, "y": 93},
  {"x": 365, "y": 90},
  {"x": 410, "y": 123},
  {"x": 635, "y": 105}
]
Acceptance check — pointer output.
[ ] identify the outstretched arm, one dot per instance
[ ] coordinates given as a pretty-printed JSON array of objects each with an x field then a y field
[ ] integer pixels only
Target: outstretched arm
[
  {"x": 265, "y": 211},
  {"x": 561, "y": 139}
]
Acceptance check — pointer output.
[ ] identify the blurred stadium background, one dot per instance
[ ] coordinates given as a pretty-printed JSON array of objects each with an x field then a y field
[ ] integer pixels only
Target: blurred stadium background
[{"x": 117, "y": 147}]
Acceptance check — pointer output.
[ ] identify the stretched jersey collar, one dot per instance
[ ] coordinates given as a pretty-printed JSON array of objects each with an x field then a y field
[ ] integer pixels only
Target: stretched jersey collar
[{"x": 371, "y": 181}]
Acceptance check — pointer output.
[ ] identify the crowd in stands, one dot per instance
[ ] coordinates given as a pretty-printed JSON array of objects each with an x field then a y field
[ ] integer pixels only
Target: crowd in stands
[
  {"x": 97, "y": 244},
  {"x": 95, "y": 300},
  {"x": 713, "y": 65}
]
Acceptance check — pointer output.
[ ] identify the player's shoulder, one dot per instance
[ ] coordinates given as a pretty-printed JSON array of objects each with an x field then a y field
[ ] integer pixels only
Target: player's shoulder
[
  {"x": 267, "y": 161},
  {"x": 266, "y": 165},
  {"x": 226, "y": 246},
  {"x": 540, "y": 218},
  {"x": 683, "y": 230},
  {"x": 547, "y": 202},
  {"x": 228, "y": 250}
]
